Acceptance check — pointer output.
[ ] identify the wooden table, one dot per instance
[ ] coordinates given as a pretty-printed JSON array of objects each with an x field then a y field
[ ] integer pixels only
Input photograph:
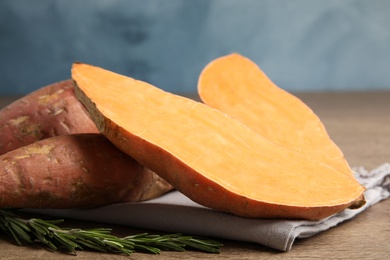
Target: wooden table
[{"x": 359, "y": 122}]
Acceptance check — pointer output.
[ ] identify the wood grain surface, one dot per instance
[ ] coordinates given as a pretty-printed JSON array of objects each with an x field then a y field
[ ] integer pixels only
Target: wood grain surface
[{"x": 359, "y": 122}]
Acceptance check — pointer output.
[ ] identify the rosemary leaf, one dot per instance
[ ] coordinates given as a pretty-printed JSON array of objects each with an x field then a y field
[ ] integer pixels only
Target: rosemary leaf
[{"x": 20, "y": 231}]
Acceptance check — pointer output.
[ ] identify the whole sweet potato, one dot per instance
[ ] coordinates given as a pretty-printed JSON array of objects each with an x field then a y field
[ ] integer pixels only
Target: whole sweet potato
[
  {"x": 49, "y": 111},
  {"x": 78, "y": 170}
]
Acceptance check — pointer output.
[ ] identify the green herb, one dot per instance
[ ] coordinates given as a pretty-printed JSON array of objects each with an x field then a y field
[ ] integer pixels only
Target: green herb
[{"x": 49, "y": 234}]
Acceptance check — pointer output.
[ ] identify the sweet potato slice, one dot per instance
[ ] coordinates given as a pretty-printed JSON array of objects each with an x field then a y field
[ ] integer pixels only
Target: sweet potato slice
[
  {"x": 213, "y": 159},
  {"x": 49, "y": 111},
  {"x": 236, "y": 86},
  {"x": 78, "y": 170}
]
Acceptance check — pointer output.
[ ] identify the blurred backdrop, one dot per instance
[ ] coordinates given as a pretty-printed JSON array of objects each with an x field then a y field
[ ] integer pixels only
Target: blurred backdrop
[{"x": 302, "y": 45}]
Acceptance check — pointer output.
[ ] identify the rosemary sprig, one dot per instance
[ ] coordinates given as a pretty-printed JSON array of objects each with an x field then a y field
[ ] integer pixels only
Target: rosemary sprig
[{"x": 49, "y": 234}]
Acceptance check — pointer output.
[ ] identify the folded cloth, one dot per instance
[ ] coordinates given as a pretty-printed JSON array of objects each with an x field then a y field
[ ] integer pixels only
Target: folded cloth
[{"x": 176, "y": 213}]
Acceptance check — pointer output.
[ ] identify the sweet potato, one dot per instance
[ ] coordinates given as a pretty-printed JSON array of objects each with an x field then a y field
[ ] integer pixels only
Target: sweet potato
[
  {"x": 236, "y": 86},
  {"x": 49, "y": 111},
  {"x": 78, "y": 170},
  {"x": 213, "y": 159}
]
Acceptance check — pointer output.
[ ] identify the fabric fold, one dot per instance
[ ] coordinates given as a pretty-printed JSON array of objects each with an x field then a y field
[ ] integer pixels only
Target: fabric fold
[{"x": 174, "y": 212}]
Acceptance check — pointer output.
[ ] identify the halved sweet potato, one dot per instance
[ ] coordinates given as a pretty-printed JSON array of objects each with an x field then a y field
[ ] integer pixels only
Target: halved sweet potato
[
  {"x": 235, "y": 85},
  {"x": 213, "y": 159}
]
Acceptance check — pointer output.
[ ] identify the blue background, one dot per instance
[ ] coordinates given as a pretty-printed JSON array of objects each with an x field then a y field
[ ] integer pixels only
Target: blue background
[{"x": 302, "y": 45}]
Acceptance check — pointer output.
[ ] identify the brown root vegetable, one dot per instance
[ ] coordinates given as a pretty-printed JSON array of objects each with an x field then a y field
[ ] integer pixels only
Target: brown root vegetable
[
  {"x": 79, "y": 170},
  {"x": 213, "y": 159},
  {"x": 49, "y": 111}
]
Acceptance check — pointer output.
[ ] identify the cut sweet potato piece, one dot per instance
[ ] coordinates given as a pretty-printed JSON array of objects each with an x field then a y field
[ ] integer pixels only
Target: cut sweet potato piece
[
  {"x": 213, "y": 159},
  {"x": 236, "y": 86}
]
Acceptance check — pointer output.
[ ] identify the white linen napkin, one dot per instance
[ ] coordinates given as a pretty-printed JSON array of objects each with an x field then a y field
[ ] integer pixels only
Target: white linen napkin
[{"x": 176, "y": 213}]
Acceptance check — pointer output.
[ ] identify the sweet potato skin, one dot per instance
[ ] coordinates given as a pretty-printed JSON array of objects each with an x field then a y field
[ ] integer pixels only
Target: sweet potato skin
[
  {"x": 203, "y": 190},
  {"x": 49, "y": 111},
  {"x": 79, "y": 170}
]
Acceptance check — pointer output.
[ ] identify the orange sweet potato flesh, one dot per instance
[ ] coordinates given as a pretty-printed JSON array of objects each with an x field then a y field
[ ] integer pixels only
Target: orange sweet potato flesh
[
  {"x": 213, "y": 159},
  {"x": 236, "y": 86},
  {"x": 78, "y": 170},
  {"x": 49, "y": 111}
]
